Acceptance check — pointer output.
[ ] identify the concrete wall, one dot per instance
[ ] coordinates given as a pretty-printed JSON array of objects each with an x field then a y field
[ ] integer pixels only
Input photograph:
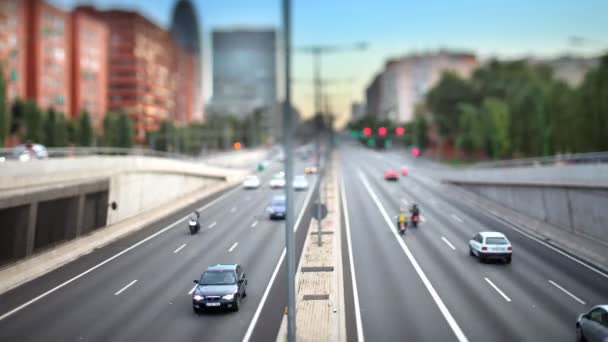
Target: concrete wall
[
  {"x": 572, "y": 198},
  {"x": 138, "y": 192},
  {"x": 576, "y": 210}
]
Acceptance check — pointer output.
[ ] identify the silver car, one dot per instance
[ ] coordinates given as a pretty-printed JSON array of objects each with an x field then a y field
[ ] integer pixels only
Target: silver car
[{"x": 593, "y": 325}]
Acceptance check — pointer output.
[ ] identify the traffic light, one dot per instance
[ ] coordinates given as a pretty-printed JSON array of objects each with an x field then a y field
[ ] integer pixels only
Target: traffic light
[
  {"x": 399, "y": 130},
  {"x": 382, "y": 131},
  {"x": 367, "y": 131}
]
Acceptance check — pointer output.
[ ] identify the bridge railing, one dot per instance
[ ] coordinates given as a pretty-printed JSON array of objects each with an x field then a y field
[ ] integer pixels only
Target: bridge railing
[{"x": 559, "y": 159}]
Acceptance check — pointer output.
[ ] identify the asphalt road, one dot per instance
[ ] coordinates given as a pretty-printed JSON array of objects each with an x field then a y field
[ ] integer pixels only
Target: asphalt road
[
  {"x": 424, "y": 286},
  {"x": 143, "y": 294}
]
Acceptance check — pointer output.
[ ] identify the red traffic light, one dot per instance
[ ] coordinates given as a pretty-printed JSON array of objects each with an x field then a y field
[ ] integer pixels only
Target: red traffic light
[
  {"x": 367, "y": 131},
  {"x": 382, "y": 131},
  {"x": 399, "y": 130}
]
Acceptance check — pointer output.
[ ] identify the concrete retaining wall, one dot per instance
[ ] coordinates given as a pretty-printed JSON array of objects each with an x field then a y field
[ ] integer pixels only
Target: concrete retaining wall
[{"x": 138, "y": 192}]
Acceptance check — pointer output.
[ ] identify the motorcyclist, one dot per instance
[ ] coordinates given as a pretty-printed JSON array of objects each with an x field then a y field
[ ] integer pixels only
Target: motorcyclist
[
  {"x": 414, "y": 210},
  {"x": 195, "y": 217},
  {"x": 402, "y": 217}
]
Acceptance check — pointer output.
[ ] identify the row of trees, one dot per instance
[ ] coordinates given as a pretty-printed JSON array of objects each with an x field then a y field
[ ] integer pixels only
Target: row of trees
[{"x": 515, "y": 109}]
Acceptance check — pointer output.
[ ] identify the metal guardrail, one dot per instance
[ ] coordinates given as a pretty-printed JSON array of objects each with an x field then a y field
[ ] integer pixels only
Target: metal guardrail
[{"x": 559, "y": 159}]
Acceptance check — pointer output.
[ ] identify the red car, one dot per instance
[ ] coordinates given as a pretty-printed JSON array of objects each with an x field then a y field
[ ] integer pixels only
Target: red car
[
  {"x": 391, "y": 175},
  {"x": 404, "y": 171}
]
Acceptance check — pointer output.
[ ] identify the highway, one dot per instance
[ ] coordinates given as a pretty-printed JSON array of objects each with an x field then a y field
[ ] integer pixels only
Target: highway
[
  {"x": 424, "y": 286},
  {"x": 138, "y": 288}
]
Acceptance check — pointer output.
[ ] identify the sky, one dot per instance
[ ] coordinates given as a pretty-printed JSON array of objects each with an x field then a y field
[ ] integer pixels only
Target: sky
[{"x": 489, "y": 28}]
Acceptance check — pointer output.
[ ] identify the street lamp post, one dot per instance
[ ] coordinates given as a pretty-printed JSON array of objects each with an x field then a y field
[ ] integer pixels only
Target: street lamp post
[{"x": 287, "y": 136}]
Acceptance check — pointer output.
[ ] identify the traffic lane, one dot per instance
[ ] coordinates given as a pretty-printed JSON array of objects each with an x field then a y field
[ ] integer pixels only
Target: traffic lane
[
  {"x": 258, "y": 250},
  {"x": 521, "y": 280},
  {"x": 83, "y": 295},
  {"x": 266, "y": 323},
  {"x": 477, "y": 307},
  {"x": 394, "y": 303},
  {"x": 556, "y": 269}
]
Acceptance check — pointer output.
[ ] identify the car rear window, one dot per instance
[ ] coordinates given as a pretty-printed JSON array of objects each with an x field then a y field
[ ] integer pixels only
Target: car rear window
[
  {"x": 496, "y": 241},
  {"x": 218, "y": 278}
]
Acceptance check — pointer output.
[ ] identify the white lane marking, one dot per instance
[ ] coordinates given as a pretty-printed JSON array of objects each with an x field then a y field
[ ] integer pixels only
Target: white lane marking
[
  {"x": 567, "y": 292},
  {"x": 425, "y": 280},
  {"x": 233, "y": 209},
  {"x": 255, "y": 223},
  {"x": 37, "y": 298},
  {"x": 404, "y": 201},
  {"x": 233, "y": 247},
  {"x": 211, "y": 225},
  {"x": 422, "y": 219},
  {"x": 126, "y": 287},
  {"x": 498, "y": 290},
  {"x": 456, "y": 218},
  {"x": 448, "y": 243},
  {"x": 194, "y": 288},
  {"x": 359, "y": 324},
  {"x": 258, "y": 311},
  {"x": 179, "y": 248}
]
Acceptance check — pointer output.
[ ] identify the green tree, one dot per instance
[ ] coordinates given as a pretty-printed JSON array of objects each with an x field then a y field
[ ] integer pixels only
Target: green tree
[
  {"x": 61, "y": 130},
  {"x": 17, "y": 117},
  {"x": 110, "y": 134},
  {"x": 85, "y": 130},
  {"x": 5, "y": 119},
  {"x": 443, "y": 102},
  {"x": 497, "y": 127},
  {"x": 420, "y": 128},
  {"x": 472, "y": 136},
  {"x": 592, "y": 101},
  {"x": 165, "y": 138},
  {"x": 33, "y": 123},
  {"x": 124, "y": 128},
  {"x": 50, "y": 123}
]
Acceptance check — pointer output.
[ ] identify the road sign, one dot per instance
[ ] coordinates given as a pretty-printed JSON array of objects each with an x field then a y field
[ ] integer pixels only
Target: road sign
[{"x": 319, "y": 211}]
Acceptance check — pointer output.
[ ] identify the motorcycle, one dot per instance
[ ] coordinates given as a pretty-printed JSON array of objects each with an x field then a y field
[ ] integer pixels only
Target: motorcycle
[
  {"x": 415, "y": 221},
  {"x": 402, "y": 227},
  {"x": 194, "y": 226}
]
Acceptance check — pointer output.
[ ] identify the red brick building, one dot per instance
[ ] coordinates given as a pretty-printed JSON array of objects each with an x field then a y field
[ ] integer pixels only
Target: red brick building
[
  {"x": 140, "y": 72},
  {"x": 12, "y": 47},
  {"x": 185, "y": 72},
  {"x": 89, "y": 69}
]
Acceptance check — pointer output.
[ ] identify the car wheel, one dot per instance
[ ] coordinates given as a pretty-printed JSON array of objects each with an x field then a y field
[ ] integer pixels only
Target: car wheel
[
  {"x": 481, "y": 258},
  {"x": 244, "y": 293},
  {"x": 508, "y": 260},
  {"x": 196, "y": 311},
  {"x": 579, "y": 334},
  {"x": 237, "y": 304}
]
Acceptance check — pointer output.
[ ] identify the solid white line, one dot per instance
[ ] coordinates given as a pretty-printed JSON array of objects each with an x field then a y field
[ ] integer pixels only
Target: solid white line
[
  {"x": 359, "y": 322},
  {"x": 498, "y": 290},
  {"x": 37, "y": 298},
  {"x": 194, "y": 288},
  {"x": 233, "y": 247},
  {"x": 425, "y": 280},
  {"x": 211, "y": 225},
  {"x": 179, "y": 248},
  {"x": 126, "y": 287},
  {"x": 258, "y": 311},
  {"x": 448, "y": 243},
  {"x": 255, "y": 223},
  {"x": 456, "y": 218},
  {"x": 567, "y": 292}
]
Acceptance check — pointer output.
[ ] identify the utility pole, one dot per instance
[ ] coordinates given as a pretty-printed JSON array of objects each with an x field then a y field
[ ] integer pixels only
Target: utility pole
[{"x": 287, "y": 136}]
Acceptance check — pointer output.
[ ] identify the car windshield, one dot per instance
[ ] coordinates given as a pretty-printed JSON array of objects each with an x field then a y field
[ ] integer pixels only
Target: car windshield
[
  {"x": 218, "y": 278},
  {"x": 299, "y": 179},
  {"x": 496, "y": 241},
  {"x": 278, "y": 202}
]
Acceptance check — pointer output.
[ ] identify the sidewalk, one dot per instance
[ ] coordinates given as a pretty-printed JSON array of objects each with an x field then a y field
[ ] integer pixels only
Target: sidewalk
[{"x": 320, "y": 314}]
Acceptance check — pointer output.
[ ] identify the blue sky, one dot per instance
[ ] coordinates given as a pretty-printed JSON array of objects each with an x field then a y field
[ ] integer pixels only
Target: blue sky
[{"x": 395, "y": 27}]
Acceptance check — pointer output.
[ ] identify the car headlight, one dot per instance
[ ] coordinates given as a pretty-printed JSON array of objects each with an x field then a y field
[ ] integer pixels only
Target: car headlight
[
  {"x": 198, "y": 298},
  {"x": 228, "y": 297}
]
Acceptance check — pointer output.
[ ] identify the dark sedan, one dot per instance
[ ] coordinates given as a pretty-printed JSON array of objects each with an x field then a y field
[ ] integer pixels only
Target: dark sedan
[{"x": 220, "y": 287}]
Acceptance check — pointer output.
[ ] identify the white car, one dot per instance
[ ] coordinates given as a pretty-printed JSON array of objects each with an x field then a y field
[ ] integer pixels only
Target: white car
[
  {"x": 491, "y": 245},
  {"x": 278, "y": 181},
  {"x": 251, "y": 182},
  {"x": 300, "y": 183}
]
